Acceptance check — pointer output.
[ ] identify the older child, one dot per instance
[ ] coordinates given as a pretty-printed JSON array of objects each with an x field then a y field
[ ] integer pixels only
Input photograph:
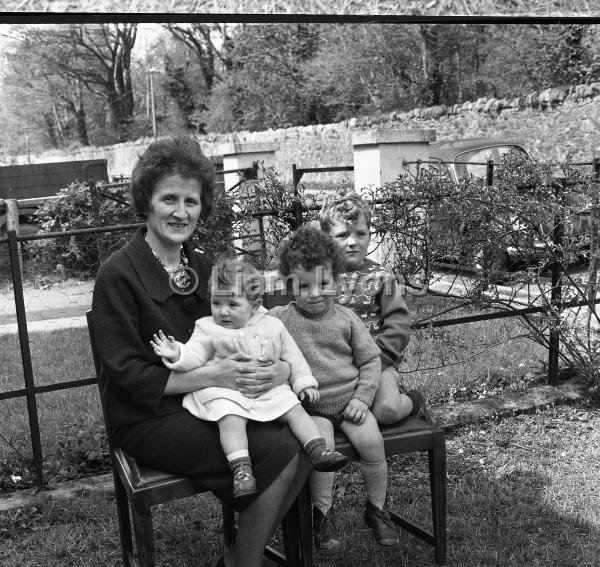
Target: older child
[
  {"x": 346, "y": 363},
  {"x": 239, "y": 324},
  {"x": 374, "y": 294}
]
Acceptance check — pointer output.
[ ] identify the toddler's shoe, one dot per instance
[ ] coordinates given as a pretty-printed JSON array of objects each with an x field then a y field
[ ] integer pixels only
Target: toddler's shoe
[
  {"x": 327, "y": 460},
  {"x": 324, "y": 532},
  {"x": 244, "y": 483},
  {"x": 381, "y": 523}
]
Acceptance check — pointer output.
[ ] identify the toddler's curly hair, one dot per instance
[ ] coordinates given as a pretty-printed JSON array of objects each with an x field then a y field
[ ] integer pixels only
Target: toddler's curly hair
[
  {"x": 345, "y": 205},
  {"x": 241, "y": 278},
  {"x": 309, "y": 247}
]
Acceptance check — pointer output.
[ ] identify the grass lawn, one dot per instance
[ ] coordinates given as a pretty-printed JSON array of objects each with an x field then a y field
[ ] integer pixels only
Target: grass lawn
[
  {"x": 447, "y": 363},
  {"x": 523, "y": 491}
]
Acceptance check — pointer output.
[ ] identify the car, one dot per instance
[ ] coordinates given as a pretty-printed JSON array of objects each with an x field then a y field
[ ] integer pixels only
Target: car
[
  {"x": 464, "y": 158},
  {"x": 468, "y": 157}
]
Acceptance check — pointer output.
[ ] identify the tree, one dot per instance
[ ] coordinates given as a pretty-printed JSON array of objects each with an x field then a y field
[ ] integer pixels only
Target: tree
[
  {"x": 199, "y": 39},
  {"x": 265, "y": 86},
  {"x": 97, "y": 58},
  {"x": 101, "y": 60},
  {"x": 43, "y": 98}
]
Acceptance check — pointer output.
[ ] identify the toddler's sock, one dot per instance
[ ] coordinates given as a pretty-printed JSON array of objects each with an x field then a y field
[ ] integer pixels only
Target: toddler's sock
[
  {"x": 322, "y": 458},
  {"x": 375, "y": 478},
  {"x": 315, "y": 446}
]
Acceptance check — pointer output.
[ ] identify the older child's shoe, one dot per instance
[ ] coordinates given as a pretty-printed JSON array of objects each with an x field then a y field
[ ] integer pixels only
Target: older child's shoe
[
  {"x": 383, "y": 527},
  {"x": 420, "y": 406},
  {"x": 324, "y": 532},
  {"x": 244, "y": 483},
  {"x": 322, "y": 458}
]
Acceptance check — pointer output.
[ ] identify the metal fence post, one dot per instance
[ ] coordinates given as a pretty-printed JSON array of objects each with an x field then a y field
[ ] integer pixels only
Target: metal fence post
[
  {"x": 487, "y": 259},
  {"x": 12, "y": 223},
  {"x": 96, "y": 212},
  {"x": 34, "y": 424},
  {"x": 263, "y": 242},
  {"x": 296, "y": 176},
  {"x": 556, "y": 289},
  {"x": 489, "y": 173}
]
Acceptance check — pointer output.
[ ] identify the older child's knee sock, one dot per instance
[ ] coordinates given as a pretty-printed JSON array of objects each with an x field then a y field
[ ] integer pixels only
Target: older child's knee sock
[
  {"x": 375, "y": 477},
  {"x": 321, "y": 489}
]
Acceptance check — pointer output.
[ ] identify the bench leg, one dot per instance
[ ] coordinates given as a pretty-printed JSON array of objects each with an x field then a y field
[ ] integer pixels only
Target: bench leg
[
  {"x": 229, "y": 527},
  {"x": 305, "y": 518},
  {"x": 291, "y": 530},
  {"x": 144, "y": 535},
  {"x": 297, "y": 531},
  {"x": 437, "y": 477},
  {"x": 124, "y": 522}
]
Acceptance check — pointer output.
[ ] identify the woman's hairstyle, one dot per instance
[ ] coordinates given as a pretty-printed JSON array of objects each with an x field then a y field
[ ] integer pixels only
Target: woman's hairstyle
[
  {"x": 344, "y": 205},
  {"x": 309, "y": 247},
  {"x": 237, "y": 277},
  {"x": 177, "y": 155}
]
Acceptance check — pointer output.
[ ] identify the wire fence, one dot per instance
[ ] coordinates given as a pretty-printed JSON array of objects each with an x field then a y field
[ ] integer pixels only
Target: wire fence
[{"x": 51, "y": 281}]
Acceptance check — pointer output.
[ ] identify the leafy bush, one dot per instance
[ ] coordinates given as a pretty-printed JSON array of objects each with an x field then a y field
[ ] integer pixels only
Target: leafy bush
[{"x": 77, "y": 207}]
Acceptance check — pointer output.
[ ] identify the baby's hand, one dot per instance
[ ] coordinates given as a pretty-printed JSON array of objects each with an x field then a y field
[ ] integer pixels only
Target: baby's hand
[
  {"x": 165, "y": 347},
  {"x": 355, "y": 411},
  {"x": 312, "y": 394}
]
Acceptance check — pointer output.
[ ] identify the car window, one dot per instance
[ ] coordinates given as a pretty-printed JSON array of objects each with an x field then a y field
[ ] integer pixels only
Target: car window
[
  {"x": 475, "y": 161},
  {"x": 440, "y": 169}
]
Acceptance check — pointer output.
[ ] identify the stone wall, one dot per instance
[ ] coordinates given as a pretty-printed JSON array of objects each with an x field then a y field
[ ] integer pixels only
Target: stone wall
[{"x": 556, "y": 123}]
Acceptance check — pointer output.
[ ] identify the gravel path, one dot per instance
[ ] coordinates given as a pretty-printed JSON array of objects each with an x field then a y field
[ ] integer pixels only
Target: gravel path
[{"x": 57, "y": 306}]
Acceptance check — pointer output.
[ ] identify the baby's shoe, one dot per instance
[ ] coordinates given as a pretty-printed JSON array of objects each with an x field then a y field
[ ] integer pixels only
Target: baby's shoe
[
  {"x": 322, "y": 458},
  {"x": 381, "y": 523},
  {"x": 244, "y": 483}
]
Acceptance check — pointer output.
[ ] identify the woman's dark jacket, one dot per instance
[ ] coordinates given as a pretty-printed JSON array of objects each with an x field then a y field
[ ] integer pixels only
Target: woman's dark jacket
[{"x": 132, "y": 301}]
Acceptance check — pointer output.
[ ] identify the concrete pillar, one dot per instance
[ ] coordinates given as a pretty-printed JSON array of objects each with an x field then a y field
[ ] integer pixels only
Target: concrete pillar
[
  {"x": 379, "y": 154},
  {"x": 378, "y": 159},
  {"x": 241, "y": 156}
]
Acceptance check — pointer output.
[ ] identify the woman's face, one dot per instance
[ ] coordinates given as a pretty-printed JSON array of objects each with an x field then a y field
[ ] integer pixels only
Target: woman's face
[{"x": 174, "y": 209}]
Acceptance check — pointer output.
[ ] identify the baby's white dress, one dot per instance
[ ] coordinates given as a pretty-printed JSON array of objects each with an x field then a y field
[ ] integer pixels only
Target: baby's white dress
[{"x": 263, "y": 336}]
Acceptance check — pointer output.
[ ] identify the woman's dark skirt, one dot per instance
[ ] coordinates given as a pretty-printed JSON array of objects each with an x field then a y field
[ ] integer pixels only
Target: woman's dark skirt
[{"x": 183, "y": 444}]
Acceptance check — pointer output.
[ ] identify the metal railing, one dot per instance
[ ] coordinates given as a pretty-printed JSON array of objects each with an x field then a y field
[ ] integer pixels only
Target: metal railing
[{"x": 31, "y": 391}]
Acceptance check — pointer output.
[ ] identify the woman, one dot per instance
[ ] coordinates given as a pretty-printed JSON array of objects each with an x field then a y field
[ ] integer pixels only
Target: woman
[{"x": 156, "y": 281}]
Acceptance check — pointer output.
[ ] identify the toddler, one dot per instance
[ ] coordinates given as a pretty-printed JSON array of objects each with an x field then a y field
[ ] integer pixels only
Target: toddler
[
  {"x": 345, "y": 361},
  {"x": 239, "y": 323}
]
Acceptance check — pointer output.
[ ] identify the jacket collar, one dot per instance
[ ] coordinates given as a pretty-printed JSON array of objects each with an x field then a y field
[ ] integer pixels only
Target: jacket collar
[{"x": 153, "y": 276}]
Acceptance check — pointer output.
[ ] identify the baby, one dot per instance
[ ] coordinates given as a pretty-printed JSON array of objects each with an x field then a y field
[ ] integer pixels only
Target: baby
[{"x": 239, "y": 323}]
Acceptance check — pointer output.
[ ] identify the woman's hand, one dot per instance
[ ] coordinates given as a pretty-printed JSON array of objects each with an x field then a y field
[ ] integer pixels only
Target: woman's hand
[
  {"x": 252, "y": 377},
  {"x": 237, "y": 372}
]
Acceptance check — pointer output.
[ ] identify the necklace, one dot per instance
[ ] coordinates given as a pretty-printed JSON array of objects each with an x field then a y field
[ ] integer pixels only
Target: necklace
[{"x": 179, "y": 274}]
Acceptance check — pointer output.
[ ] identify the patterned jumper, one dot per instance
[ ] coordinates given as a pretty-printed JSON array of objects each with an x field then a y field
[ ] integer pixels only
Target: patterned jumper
[
  {"x": 373, "y": 293},
  {"x": 342, "y": 356}
]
